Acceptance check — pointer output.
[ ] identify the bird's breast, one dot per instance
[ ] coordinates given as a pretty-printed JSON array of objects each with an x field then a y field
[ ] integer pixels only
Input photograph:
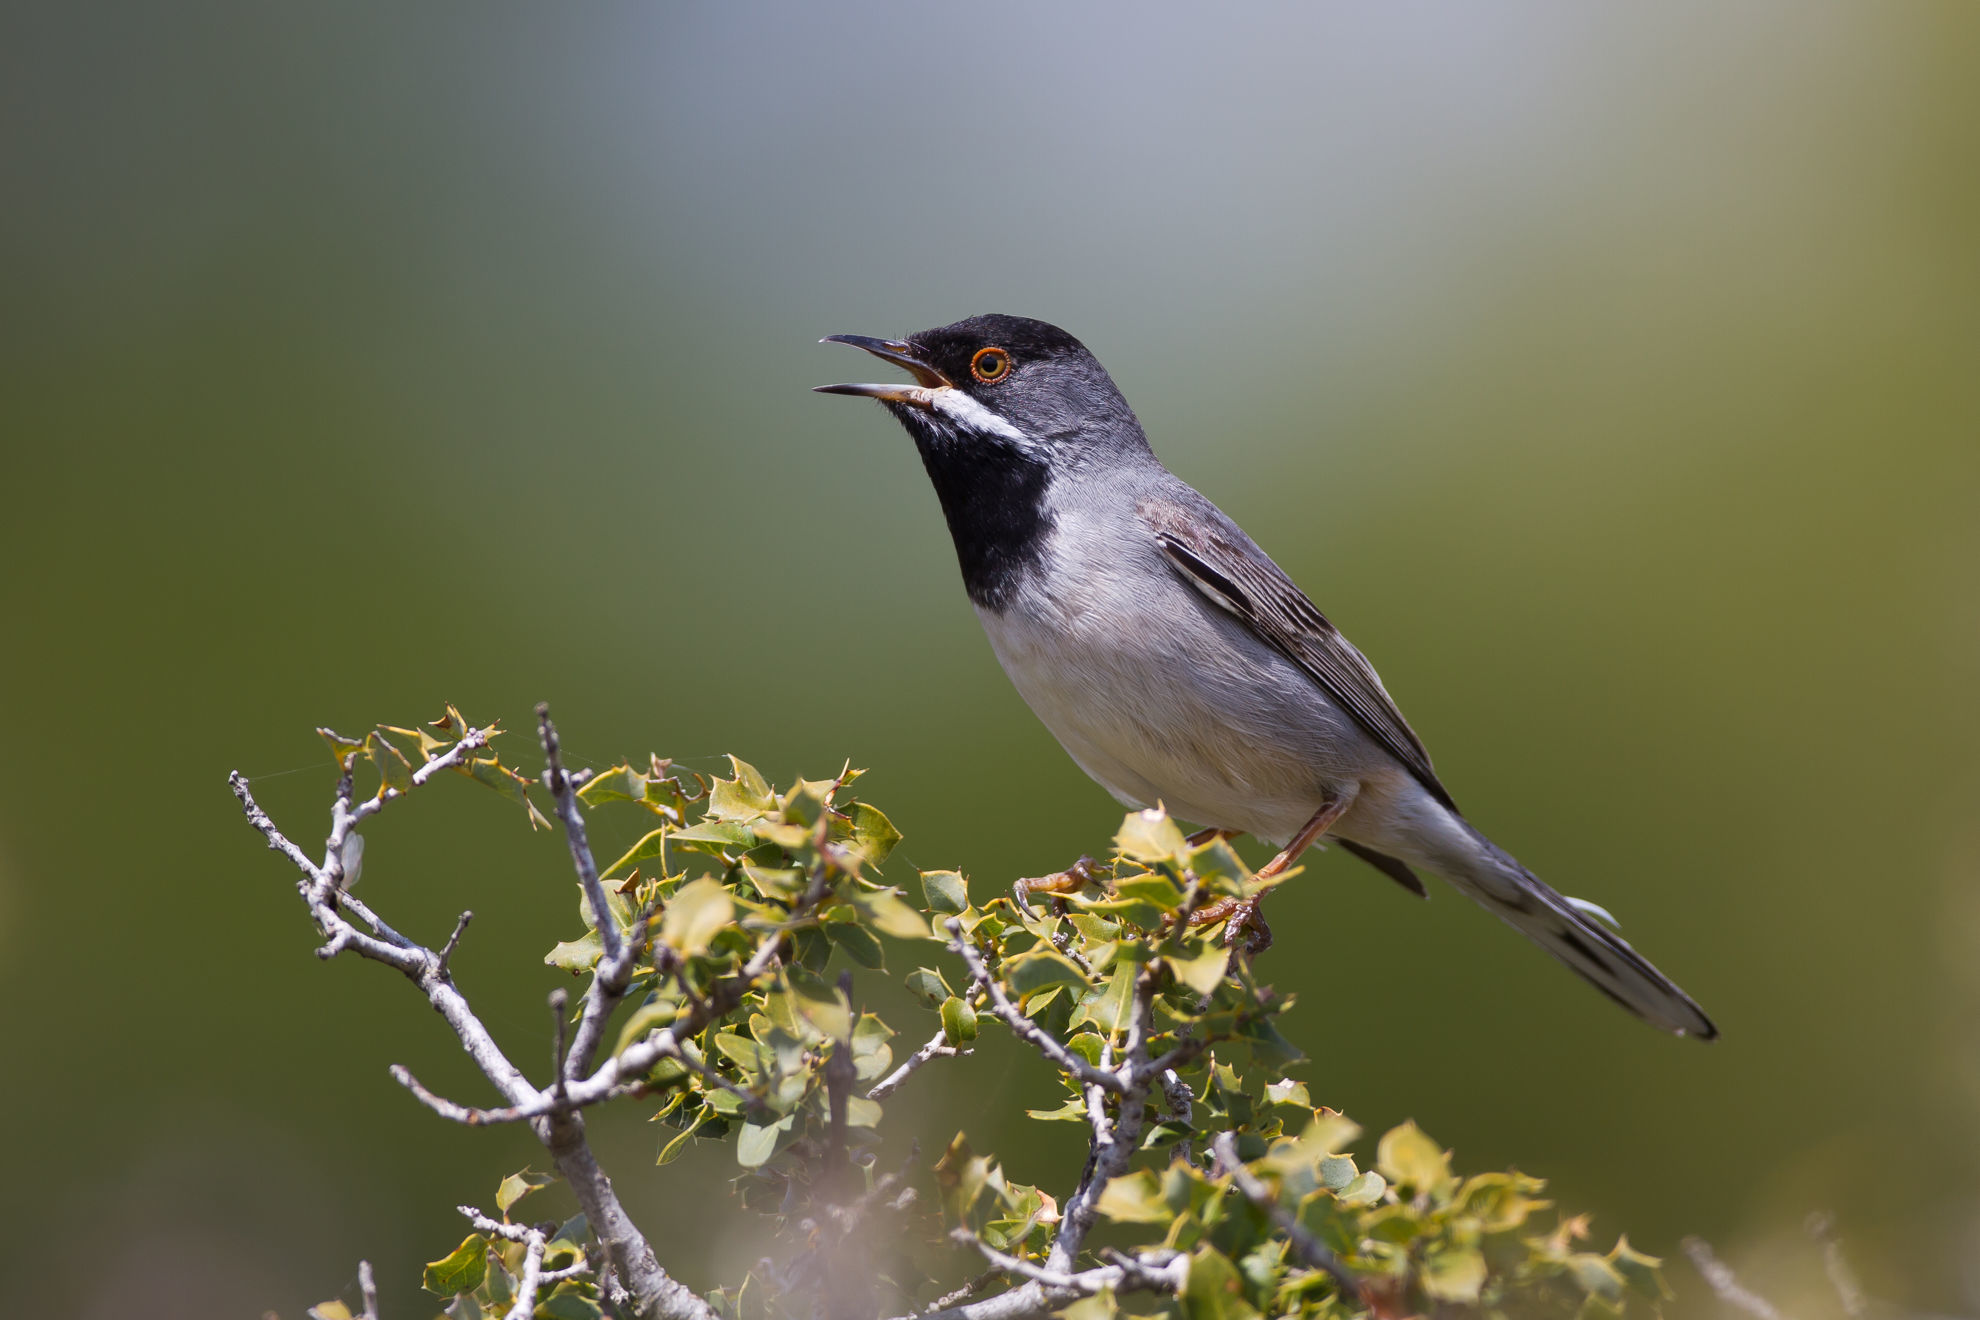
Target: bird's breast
[{"x": 1161, "y": 697}]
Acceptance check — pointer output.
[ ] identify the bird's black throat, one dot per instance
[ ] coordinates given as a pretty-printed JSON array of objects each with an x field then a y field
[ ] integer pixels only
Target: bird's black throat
[{"x": 993, "y": 496}]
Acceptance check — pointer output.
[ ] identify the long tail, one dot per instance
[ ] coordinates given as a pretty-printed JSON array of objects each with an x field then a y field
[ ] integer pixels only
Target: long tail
[{"x": 1526, "y": 904}]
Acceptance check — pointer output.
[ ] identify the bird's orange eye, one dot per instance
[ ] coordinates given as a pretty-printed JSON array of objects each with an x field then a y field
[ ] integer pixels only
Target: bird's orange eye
[{"x": 990, "y": 365}]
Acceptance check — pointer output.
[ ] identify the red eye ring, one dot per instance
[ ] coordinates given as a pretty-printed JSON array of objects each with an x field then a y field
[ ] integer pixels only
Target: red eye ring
[{"x": 990, "y": 365}]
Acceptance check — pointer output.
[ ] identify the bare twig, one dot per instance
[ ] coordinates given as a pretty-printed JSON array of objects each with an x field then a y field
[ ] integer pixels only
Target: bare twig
[
  {"x": 536, "y": 1244},
  {"x": 1849, "y": 1290},
  {"x": 1023, "y": 1027},
  {"x": 646, "y": 1287},
  {"x": 1309, "y": 1249},
  {"x": 964, "y": 1293},
  {"x": 559, "y": 784},
  {"x": 368, "y": 1289},
  {"x": 937, "y": 1047},
  {"x": 1024, "y": 1269},
  {"x": 1721, "y": 1280},
  {"x": 454, "y": 941}
]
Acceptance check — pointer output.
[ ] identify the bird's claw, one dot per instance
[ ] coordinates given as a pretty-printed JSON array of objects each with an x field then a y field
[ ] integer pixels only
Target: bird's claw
[{"x": 1074, "y": 878}]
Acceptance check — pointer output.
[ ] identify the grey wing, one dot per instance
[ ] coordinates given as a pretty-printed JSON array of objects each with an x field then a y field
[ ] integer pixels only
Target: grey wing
[{"x": 1225, "y": 565}]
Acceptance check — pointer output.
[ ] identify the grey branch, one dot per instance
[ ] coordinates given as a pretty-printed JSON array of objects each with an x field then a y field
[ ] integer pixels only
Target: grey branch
[
  {"x": 1023, "y": 1027},
  {"x": 368, "y": 1289},
  {"x": 1310, "y": 1250},
  {"x": 535, "y": 1244},
  {"x": 629, "y": 1256},
  {"x": 1721, "y": 1280},
  {"x": 559, "y": 783},
  {"x": 1849, "y": 1291},
  {"x": 937, "y": 1047}
]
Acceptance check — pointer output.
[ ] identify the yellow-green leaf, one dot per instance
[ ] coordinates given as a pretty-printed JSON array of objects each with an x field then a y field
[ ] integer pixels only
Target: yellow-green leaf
[
  {"x": 873, "y": 835},
  {"x": 1410, "y": 1158},
  {"x": 653, "y": 844},
  {"x": 958, "y": 1021},
  {"x": 1040, "y": 968},
  {"x": 460, "y": 1270},
  {"x": 1454, "y": 1274},
  {"x": 695, "y": 915},
  {"x": 518, "y": 1185},
  {"x": 394, "y": 771},
  {"x": 1150, "y": 836},
  {"x": 946, "y": 891},
  {"x": 1135, "y": 1198},
  {"x": 1204, "y": 971},
  {"x": 890, "y": 916}
]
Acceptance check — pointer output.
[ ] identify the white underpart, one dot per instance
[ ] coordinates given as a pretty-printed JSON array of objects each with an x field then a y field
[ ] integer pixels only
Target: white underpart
[{"x": 965, "y": 412}]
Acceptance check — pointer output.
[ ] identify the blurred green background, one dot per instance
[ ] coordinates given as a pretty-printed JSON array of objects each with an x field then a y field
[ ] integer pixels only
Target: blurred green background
[{"x": 1609, "y": 373}]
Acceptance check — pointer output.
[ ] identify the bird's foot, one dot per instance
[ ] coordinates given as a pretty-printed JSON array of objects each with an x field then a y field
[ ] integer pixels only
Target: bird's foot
[
  {"x": 1074, "y": 878},
  {"x": 1247, "y": 931}
]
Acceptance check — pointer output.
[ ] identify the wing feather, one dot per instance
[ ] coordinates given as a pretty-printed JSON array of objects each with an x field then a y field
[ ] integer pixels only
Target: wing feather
[{"x": 1226, "y": 566}]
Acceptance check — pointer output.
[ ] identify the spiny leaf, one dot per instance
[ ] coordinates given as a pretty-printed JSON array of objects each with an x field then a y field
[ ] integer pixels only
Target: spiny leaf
[
  {"x": 945, "y": 891},
  {"x": 695, "y": 915},
  {"x": 1409, "y": 1158},
  {"x": 459, "y": 1271},
  {"x": 518, "y": 1185}
]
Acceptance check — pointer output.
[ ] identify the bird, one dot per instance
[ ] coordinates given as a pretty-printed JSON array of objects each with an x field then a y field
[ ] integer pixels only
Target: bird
[{"x": 1175, "y": 662}]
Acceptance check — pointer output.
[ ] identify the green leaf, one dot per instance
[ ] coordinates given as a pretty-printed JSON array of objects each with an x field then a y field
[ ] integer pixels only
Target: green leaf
[
  {"x": 927, "y": 985},
  {"x": 518, "y": 1185},
  {"x": 621, "y": 783},
  {"x": 1367, "y": 1188},
  {"x": 568, "y": 1305},
  {"x": 1136, "y": 1198},
  {"x": 1150, "y": 836},
  {"x": 654, "y": 1013},
  {"x": 1215, "y": 1291},
  {"x": 873, "y": 835},
  {"x": 672, "y": 1150},
  {"x": 859, "y": 943},
  {"x": 1041, "y": 968},
  {"x": 818, "y": 1003},
  {"x": 576, "y": 955},
  {"x": 1104, "y": 1006},
  {"x": 958, "y": 1021},
  {"x": 1411, "y": 1159},
  {"x": 712, "y": 836},
  {"x": 1203, "y": 971},
  {"x": 745, "y": 797},
  {"x": 1454, "y": 1274},
  {"x": 756, "y": 1144},
  {"x": 886, "y": 913},
  {"x": 461, "y": 1270},
  {"x": 394, "y": 771},
  {"x": 1597, "y": 1277},
  {"x": 945, "y": 891},
  {"x": 1150, "y": 888},
  {"x": 1644, "y": 1274},
  {"x": 330, "y": 1310},
  {"x": 960, "y": 1177},
  {"x": 653, "y": 844},
  {"x": 695, "y": 915}
]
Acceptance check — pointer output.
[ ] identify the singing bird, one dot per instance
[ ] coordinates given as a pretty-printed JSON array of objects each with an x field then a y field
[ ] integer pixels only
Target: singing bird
[{"x": 1174, "y": 661}]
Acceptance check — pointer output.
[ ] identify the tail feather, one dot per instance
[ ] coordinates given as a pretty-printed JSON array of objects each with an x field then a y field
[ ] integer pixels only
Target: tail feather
[{"x": 1597, "y": 953}]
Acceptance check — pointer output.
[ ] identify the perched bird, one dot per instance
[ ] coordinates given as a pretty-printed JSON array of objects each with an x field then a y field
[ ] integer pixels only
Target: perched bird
[{"x": 1172, "y": 658}]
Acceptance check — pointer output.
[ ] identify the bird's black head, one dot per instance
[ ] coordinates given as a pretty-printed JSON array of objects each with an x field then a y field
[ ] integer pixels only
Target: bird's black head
[
  {"x": 1000, "y": 408},
  {"x": 1002, "y": 381}
]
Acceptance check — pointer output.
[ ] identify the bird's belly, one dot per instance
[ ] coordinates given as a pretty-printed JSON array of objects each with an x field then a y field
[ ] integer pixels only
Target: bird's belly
[{"x": 1183, "y": 707}]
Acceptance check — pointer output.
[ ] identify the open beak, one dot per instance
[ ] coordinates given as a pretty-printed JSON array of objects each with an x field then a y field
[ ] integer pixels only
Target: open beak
[{"x": 927, "y": 378}]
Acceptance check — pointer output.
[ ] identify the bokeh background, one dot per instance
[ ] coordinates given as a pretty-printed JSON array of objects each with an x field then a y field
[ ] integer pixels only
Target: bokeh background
[{"x": 1608, "y": 372}]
